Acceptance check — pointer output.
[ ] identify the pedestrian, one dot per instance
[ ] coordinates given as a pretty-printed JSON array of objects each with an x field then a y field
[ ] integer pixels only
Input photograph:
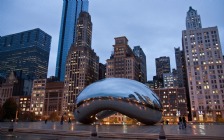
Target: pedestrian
[
  {"x": 45, "y": 121},
  {"x": 184, "y": 122},
  {"x": 69, "y": 120},
  {"x": 167, "y": 122},
  {"x": 62, "y": 119},
  {"x": 180, "y": 123}
]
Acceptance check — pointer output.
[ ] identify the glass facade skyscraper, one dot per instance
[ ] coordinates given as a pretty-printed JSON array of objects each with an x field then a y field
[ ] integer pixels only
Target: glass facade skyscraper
[
  {"x": 70, "y": 14},
  {"x": 26, "y": 52}
]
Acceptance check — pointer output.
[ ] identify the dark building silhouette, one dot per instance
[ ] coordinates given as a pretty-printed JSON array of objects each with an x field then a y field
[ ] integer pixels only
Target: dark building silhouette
[
  {"x": 162, "y": 66},
  {"x": 141, "y": 55},
  {"x": 102, "y": 71},
  {"x": 182, "y": 80},
  {"x": 181, "y": 67}
]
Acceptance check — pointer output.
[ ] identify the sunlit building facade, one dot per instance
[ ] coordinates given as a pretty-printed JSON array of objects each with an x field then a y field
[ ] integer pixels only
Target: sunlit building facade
[
  {"x": 205, "y": 72},
  {"x": 70, "y": 13},
  {"x": 27, "y": 52}
]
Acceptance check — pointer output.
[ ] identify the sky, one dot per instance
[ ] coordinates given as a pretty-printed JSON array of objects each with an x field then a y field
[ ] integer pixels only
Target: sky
[{"x": 155, "y": 25}]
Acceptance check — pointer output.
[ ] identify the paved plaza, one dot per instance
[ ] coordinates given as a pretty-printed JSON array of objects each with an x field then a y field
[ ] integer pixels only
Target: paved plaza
[{"x": 71, "y": 131}]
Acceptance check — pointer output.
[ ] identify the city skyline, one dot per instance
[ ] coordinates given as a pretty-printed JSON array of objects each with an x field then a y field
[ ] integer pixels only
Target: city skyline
[{"x": 139, "y": 26}]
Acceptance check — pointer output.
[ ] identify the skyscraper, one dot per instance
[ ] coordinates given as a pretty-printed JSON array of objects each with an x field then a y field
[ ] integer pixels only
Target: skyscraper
[
  {"x": 141, "y": 55},
  {"x": 170, "y": 79},
  {"x": 162, "y": 66},
  {"x": 26, "y": 52},
  {"x": 182, "y": 76},
  {"x": 70, "y": 14},
  {"x": 180, "y": 64},
  {"x": 126, "y": 63},
  {"x": 205, "y": 68},
  {"x": 82, "y": 66},
  {"x": 123, "y": 63},
  {"x": 193, "y": 20}
]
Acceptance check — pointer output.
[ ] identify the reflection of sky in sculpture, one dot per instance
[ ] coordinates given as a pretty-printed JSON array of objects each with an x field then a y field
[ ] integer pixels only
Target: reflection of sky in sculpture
[{"x": 119, "y": 88}]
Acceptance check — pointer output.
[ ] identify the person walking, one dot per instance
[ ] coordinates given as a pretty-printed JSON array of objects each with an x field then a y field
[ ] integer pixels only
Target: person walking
[
  {"x": 62, "y": 119},
  {"x": 184, "y": 122},
  {"x": 180, "y": 123},
  {"x": 69, "y": 120}
]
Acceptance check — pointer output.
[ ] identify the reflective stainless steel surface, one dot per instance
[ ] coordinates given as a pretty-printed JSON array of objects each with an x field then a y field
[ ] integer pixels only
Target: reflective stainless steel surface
[{"x": 125, "y": 96}]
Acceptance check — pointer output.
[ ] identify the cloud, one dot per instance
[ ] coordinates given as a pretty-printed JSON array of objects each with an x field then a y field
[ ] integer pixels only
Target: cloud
[{"x": 155, "y": 25}]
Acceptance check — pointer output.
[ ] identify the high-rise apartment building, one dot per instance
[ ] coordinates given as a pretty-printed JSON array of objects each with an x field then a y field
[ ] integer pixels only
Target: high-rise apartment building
[
  {"x": 169, "y": 80},
  {"x": 205, "y": 72},
  {"x": 123, "y": 63},
  {"x": 26, "y": 52},
  {"x": 157, "y": 82},
  {"x": 82, "y": 66},
  {"x": 174, "y": 103},
  {"x": 70, "y": 14},
  {"x": 162, "y": 66},
  {"x": 141, "y": 55},
  {"x": 38, "y": 96},
  {"x": 23, "y": 103}
]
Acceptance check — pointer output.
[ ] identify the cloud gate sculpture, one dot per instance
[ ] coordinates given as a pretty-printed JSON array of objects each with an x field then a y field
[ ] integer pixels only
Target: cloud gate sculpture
[{"x": 108, "y": 96}]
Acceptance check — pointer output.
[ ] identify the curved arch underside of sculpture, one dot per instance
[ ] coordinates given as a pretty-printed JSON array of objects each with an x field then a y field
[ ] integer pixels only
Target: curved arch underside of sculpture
[{"x": 111, "y": 95}]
